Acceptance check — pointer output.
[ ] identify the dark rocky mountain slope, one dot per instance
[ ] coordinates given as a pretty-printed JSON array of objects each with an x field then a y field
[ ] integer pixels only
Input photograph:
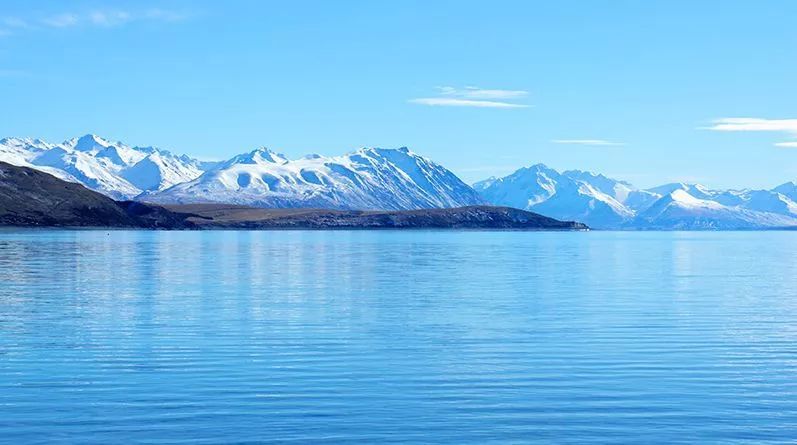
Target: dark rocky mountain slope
[{"x": 33, "y": 198}]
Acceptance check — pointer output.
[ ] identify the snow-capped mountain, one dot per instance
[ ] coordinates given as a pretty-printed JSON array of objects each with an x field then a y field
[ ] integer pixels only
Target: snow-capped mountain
[
  {"x": 573, "y": 195},
  {"x": 112, "y": 168},
  {"x": 680, "y": 210},
  {"x": 788, "y": 190},
  {"x": 602, "y": 202},
  {"x": 371, "y": 178}
]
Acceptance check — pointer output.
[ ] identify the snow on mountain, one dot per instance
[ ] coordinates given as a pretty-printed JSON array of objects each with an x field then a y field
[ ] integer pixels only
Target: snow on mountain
[
  {"x": 580, "y": 201},
  {"x": 768, "y": 201},
  {"x": 681, "y": 211},
  {"x": 619, "y": 190},
  {"x": 112, "y": 168},
  {"x": 788, "y": 190},
  {"x": 522, "y": 189},
  {"x": 371, "y": 178},
  {"x": 572, "y": 195},
  {"x": 374, "y": 178},
  {"x": 160, "y": 170},
  {"x": 21, "y": 150},
  {"x": 696, "y": 190},
  {"x": 606, "y": 203}
]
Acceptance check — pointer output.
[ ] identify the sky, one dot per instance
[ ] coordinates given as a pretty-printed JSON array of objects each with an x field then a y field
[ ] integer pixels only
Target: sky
[{"x": 648, "y": 92}]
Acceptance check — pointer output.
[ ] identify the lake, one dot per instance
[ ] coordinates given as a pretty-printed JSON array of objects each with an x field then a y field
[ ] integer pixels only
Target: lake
[{"x": 455, "y": 337}]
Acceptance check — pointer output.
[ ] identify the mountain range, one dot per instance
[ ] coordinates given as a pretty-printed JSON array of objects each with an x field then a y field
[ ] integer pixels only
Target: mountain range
[
  {"x": 394, "y": 179},
  {"x": 32, "y": 198},
  {"x": 606, "y": 203},
  {"x": 368, "y": 179},
  {"x": 112, "y": 168}
]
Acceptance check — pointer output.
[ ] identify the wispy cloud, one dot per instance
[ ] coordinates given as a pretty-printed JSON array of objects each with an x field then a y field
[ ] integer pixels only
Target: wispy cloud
[
  {"x": 452, "y": 102},
  {"x": 61, "y": 20},
  {"x": 482, "y": 93},
  {"x": 788, "y": 126},
  {"x": 591, "y": 142},
  {"x": 109, "y": 18},
  {"x": 10, "y": 24},
  {"x": 105, "y": 18},
  {"x": 473, "y": 97},
  {"x": 13, "y": 22}
]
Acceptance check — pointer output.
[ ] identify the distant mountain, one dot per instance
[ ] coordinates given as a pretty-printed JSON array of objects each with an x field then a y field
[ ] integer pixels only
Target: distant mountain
[
  {"x": 680, "y": 210},
  {"x": 32, "y": 198},
  {"x": 602, "y": 202},
  {"x": 788, "y": 190},
  {"x": 111, "y": 168},
  {"x": 574, "y": 195},
  {"x": 371, "y": 178}
]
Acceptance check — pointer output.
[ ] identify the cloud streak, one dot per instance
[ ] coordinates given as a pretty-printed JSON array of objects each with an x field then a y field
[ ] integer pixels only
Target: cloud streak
[
  {"x": 589, "y": 142},
  {"x": 480, "y": 93},
  {"x": 788, "y": 126},
  {"x": 453, "y": 102},
  {"x": 473, "y": 97},
  {"x": 103, "y": 18},
  {"x": 61, "y": 20}
]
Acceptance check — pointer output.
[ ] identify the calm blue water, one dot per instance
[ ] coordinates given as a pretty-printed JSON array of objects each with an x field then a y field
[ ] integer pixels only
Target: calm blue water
[{"x": 397, "y": 337}]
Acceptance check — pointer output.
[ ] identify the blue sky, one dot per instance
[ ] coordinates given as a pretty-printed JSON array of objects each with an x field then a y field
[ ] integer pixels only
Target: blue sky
[{"x": 650, "y": 92}]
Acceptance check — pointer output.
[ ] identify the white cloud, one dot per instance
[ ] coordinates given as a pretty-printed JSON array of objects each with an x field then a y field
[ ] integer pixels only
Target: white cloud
[
  {"x": 61, "y": 20},
  {"x": 109, "y": 18},
  {"x": 788, "y": 126},
  {"x": 481, "y": 93},
  {"x": 473, "y": 97},
  {"x": 592, "y": 142},
  {"x": 165, "y": 15},
  {"x": 451, "y": 102},
  {"x": 753, "y": 124},
  {"x": 14, "y": 22},
  {"x": 103, "y": 18}
]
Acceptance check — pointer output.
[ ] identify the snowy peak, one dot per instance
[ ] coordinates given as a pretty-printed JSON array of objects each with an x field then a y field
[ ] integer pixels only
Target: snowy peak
[
  {"x": 89, "y": 142},
  {"x": 108, "y": 167},
  {"x": 573, "y": 195},
  {"x": 788, "y": 189},
  {"x": 696, "y": 190},
  {"x": 369, "y": 178},
  {"x": 683, "y": 198},
  {"x": 261, "y": 155}
]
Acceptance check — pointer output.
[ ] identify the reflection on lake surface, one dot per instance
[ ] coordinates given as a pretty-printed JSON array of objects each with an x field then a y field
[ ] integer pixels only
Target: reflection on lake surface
[{"x": 431, "y": 337}]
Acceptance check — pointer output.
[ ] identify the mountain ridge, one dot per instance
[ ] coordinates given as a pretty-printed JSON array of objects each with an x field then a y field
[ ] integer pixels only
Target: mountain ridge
[
  {"x": 112, "y": 168},
  {"x": 373, "y": 178},
  {"x": 606, "y": 203},
  {"x": 32, "y": 198},
  {"x": 369, "y": 178}
]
